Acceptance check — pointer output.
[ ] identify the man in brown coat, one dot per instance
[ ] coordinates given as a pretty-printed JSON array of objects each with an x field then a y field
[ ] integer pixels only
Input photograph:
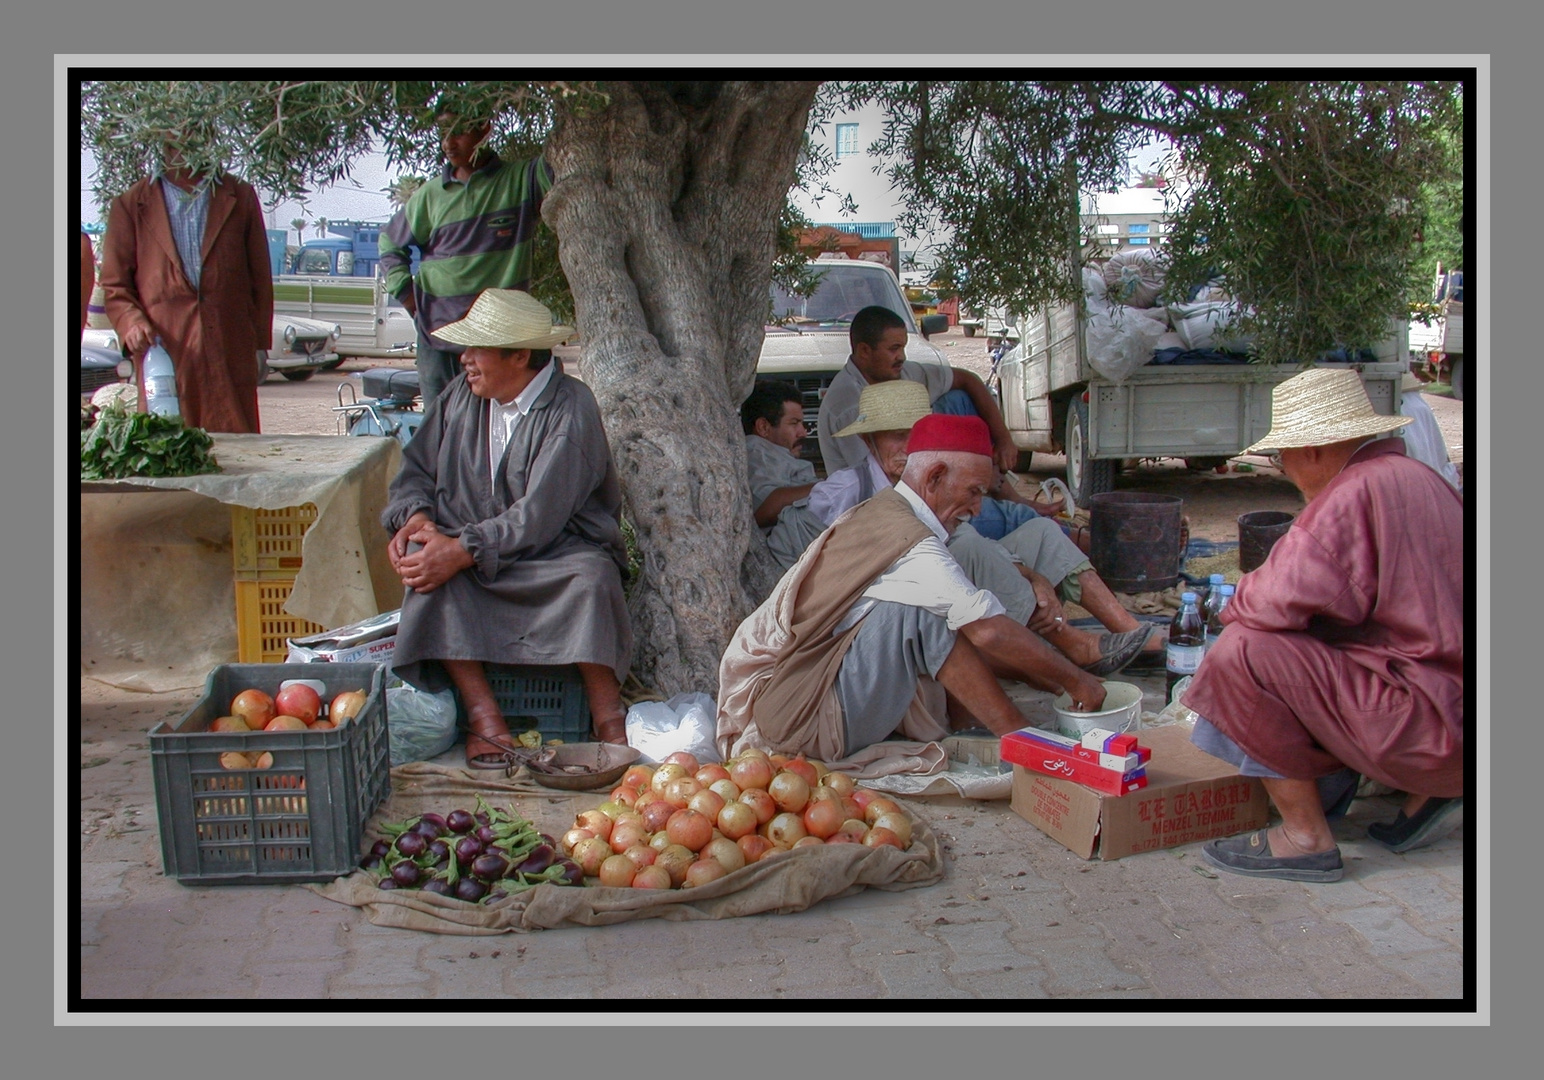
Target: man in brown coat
[{"x": 185, "y": 259}]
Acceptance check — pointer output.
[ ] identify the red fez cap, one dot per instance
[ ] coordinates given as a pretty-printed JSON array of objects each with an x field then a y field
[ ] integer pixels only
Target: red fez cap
[{"x": 940, "y": 431}]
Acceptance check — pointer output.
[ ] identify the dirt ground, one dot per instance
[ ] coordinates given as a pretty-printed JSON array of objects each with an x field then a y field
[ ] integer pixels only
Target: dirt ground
[{"x": 1212, "y": 501}]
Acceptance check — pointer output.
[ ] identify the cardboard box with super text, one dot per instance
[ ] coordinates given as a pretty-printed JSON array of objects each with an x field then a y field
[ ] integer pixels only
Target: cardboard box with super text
[{"x": 1190, "y": 796}]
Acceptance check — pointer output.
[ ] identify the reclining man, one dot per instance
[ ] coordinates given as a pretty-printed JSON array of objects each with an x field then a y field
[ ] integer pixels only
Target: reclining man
[
  {"x": 1343, "y": 653},
  {"x": 773, "y": 420},
  {"x": 861, "y": 638},
  {"x": 878, "y": 338},
  {"x": 505, "y": 527},
  {"x": 1027, "y": 570}
]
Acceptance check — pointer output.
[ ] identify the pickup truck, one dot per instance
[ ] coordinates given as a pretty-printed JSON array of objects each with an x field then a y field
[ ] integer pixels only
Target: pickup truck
[
  {"x": 807, "y": 344},
  {"x": 372, "y": 322},
  {"x": 1054, "y": 401}
]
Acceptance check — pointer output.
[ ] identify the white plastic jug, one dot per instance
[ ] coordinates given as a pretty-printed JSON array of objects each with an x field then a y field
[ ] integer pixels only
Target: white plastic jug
[{"x": 160, "y": 379}]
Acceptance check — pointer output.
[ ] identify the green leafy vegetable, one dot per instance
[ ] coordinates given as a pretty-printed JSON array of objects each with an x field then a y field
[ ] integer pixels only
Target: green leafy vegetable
[{"x": 123, "y": 443}]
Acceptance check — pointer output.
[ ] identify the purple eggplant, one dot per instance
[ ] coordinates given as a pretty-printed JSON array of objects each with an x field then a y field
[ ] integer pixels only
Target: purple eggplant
[
  {"x": 386, "y": 883},
  {"x": 489, "y": 866},
  {"x": 485, "y": 833},
  {"x": 439, "y": 886},
  {"x": 482, "y": 818},
  {"x": 460, "y": 822},
  {"x": 438, "y": 852},
  {"x": 548, "y": 840},
  {"x": 537, "y": 861},
  {"x": 380, "y": 849},
  {"x": 470, "y": 889},
  {"x": 573, "y": 873},
  {"x": 405, "y": 874},
  {"x": 370, "y": 862},
  {"x": 412, "y": 844},
  {"x": 434, "y": 819},
  {"x": 468, "y": 848},
  {"x": 495, "y": 896},
  {"x": 429, "y": 830}
]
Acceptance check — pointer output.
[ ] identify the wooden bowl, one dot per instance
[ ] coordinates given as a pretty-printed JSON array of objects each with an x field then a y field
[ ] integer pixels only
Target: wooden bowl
[{"x": 602, "y": 765}]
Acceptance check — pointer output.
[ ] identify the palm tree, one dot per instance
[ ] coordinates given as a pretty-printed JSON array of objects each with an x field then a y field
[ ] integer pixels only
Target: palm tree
[{"x": 299, "y": 225}]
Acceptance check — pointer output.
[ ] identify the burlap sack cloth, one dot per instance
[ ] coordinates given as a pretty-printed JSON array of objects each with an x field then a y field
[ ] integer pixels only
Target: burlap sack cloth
[{"x": 786, "y": 883}]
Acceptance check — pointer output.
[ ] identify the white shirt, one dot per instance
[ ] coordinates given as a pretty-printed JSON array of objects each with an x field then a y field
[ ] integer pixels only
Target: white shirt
[
  {"x": 839, "y": 492},
  {"x": 927, "y": 577},
  {"x": 502, "y": 417},
  {"x": 1423, "y": 438}
]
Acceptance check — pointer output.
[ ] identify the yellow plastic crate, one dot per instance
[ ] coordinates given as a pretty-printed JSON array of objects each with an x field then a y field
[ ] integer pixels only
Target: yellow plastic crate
[
  {"x": 263, "y": 627},
  {"x": 267, "y": 540}
]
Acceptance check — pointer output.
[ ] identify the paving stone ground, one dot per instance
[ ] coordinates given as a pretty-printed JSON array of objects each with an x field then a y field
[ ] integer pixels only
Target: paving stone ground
[{"x": 1017, "y": 916}]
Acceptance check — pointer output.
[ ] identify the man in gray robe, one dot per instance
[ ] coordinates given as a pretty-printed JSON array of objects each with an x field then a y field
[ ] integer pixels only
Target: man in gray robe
[{"x": 505, "y": 527}]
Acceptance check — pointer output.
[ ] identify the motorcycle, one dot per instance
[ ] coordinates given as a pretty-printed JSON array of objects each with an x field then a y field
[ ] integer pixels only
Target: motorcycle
[{"x": 390, "y": 406}]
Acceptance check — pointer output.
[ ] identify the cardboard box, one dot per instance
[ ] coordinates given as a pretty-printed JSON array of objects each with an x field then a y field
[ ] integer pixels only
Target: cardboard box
[{"x": 1190, "y": 796}]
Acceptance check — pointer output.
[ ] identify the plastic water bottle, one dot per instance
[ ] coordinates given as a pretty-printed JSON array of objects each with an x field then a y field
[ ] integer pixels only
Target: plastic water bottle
[
  {"x": 1211, "y": 603},
  {"x": 1214, "y": 614},
  {"x": 160, "y": 379},
  {"x": 1187, "y": 643}
]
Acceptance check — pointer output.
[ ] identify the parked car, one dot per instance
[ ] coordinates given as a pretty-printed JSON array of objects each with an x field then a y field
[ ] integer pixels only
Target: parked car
[
  {"x": 98, "y": 368},
  {"x": 807, "y": 345},
  {"x": 299, "y": 349}
]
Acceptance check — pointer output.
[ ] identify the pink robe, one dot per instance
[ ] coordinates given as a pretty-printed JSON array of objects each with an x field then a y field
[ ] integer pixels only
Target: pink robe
[{"x": 1347, "y": 646}]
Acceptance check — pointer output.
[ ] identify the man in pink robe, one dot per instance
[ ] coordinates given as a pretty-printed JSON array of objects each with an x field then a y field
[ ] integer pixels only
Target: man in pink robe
[{"x": 1344, "y": 651}]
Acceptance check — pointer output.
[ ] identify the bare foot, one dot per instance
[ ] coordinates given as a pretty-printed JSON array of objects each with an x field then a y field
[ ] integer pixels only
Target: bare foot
[{"x": 613, "y": 729}]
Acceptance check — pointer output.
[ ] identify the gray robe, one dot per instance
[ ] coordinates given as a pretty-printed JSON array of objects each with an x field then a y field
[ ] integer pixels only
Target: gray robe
[
  {"x": 770, "y": 467},
  {"x": 546, "y": 586}
]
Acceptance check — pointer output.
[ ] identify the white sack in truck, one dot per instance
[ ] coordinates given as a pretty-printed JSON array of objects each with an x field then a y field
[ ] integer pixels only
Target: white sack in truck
[
  {"x": 1210, "y": 325},
  {"x": 1134, "y": 277},
  {"x": 1120, "y": 339}
]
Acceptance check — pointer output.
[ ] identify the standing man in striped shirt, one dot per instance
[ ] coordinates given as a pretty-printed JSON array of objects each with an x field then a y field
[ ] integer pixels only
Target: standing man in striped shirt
[{"x": 474, "y": 227}]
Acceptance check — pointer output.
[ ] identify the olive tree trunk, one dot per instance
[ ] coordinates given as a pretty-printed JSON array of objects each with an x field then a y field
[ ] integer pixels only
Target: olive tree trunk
[{"x": 666, "y": 206}]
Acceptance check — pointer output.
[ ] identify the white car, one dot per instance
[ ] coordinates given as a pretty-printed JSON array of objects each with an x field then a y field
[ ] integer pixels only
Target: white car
[
  {"x": 809, "y": 344},
  {"x": 299, "y": 349}
]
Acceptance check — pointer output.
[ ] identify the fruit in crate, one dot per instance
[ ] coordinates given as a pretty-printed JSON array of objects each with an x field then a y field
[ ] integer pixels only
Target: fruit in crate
[
  {"x": 255, "y": 707},
  {"x": 300, "y": 701}
]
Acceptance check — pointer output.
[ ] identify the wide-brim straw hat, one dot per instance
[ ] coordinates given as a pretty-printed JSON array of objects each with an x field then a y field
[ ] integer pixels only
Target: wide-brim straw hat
[
  {"x": 506, "y": 319},
  {"x": 889, "y": 406},
  {"x": 1319, "y": 407}
]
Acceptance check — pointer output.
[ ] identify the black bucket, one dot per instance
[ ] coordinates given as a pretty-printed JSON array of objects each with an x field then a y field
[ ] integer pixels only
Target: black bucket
[
  {"x": 1134, "y": 540},
  {"x": 1258, "y": 532}
]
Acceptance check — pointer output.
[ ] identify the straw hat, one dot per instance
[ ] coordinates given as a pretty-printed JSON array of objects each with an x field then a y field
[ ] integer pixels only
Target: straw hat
[
  {"x": 889, "y": 406},
  {"x": 506, "y": 319},
  {"x": 1321, "y": 406}
]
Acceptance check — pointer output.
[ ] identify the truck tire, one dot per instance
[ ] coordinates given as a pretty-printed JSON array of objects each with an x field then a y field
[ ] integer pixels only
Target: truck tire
[
  {"x": 1085, "y": 477},
  {"x": 262, "y": 370},
  {"x": 298, "y": 374},
  {"x": 1458, "y": 378},
  {"x": 333, "y": 365}
]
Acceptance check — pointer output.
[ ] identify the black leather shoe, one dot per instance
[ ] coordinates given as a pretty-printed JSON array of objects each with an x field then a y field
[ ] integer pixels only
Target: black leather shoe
[{"x": 1434, "y": 820}]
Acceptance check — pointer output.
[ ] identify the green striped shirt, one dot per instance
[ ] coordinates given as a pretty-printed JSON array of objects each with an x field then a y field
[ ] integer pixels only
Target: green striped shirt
[{"x": 471, "y": 236}]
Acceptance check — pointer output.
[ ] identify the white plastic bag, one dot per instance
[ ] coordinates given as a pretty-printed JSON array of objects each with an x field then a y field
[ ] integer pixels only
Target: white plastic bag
[
  {"x": 419, "y": 725},
  {"x": 657, "y": 729},
  {"x": 1120, "y": 341}
]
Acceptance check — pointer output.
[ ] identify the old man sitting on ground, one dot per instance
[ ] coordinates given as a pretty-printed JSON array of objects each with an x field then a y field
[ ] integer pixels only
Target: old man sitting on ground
[
  {"x": 505, "y": 527},
  {"x": 863, "y": 635},
  {"x": 1343, "y": 653}
]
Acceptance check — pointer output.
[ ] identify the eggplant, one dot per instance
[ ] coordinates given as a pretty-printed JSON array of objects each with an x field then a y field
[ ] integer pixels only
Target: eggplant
[
  {"x": 439, "y": 852},
  {"x": 405, "y": 874},
  {"x": 439, "y": 886},
  {"x": 370, "y": 862},
  {"x": 485, "y": 833},
  {"x": 482, "y": 818},
  {"x": 429, "y": 830},
  {"x": 537, "y": 861},
  {"x": 412, "y": 844},
  {"x": 380, "y": 849},
  {"x": 494, "y": 896},
  {"x": 548, "y": 840},
  {"x": 470, "y": 889},
  {"x": 434, "y": 819},
  {"x": 468, "y": 848},
  {"x": 460, "y": 822},
  {"x": 386, "y": 883},
  {"x": 489, "y": 866},
  {"x": 573, "y": 873}
]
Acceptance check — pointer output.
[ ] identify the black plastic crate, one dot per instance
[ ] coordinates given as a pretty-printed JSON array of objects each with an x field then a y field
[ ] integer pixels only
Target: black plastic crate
[
  {"x": 302, "y": 818},
  {"x": 550, "y": 700}
]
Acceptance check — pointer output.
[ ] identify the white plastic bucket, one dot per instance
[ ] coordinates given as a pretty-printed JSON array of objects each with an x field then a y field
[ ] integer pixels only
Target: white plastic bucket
[{"x": 1122, "y": 712}]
